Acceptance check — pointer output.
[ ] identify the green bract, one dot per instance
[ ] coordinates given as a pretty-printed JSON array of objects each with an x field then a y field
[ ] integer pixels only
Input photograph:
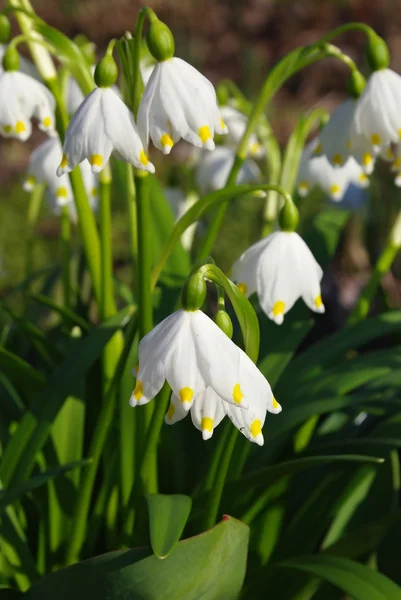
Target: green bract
[
  {"x": 11, "y": 59},
  {"x": 194, "y": 292},
  {"x": 289, "y": 216},
  {"x": 222, "y": 320},
  {"x": 160, "y": 40},
  {"x": 106, "y": 72},
  {"x": 5, "y": 29},
  {"x": 356, "y": 84},
  {"x": 377, "y": 52}
]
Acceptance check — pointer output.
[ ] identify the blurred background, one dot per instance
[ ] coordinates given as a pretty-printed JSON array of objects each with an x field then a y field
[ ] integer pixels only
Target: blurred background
[{"x": 240, "y": 41}]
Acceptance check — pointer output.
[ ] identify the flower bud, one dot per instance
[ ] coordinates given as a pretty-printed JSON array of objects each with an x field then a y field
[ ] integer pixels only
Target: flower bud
[
  {"x": 289, "y": 216},
  {"x": 160, "y": 40},
  {"x": 106, "y": 72},
  {"x": 11, "y": 59},
  {"x": 377, "y": 52},
  {"x": 356, "y": 84},
  {"x": 5, "y": 29},
  {"x": 194, "y": 292},
  {"x": 222, "y": 320}
]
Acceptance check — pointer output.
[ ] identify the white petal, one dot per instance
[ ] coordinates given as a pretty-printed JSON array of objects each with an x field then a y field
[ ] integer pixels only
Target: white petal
[
  {"x": 207, "y": 412},
  {"x": 245, "y": 267}
]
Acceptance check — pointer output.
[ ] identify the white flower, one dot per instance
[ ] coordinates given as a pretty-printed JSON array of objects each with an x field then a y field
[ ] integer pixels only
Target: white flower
[
  {"x": 236, "y": 124},
  {"x": 213, "y": 170},
  {"x": 42, "y": 169},
  {"x": 315, "y": 169},
  {"x": 179, "y": 102},
  {"x": 146, "y": 67},
  {"x": 281, "y": 269},
  {"x": 180, "y": 203},
  {"x": 101, "y": 124},
  {"x": 21, "y": 99},
  {"x": 207, "y": 372},
  {"x": 377, "y": 112},
  {"x": 74, "y": 96}
]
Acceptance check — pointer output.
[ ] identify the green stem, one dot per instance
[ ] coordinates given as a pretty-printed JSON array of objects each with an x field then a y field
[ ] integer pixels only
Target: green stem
[
  {"x": 273, "y": 168},
  {"x": 142, "y": 185},
  {"x": 66, "y": 253},
  {"x": 347, "y": 27},
  {"x": 132, "y": 219},
  {"x": 35, "y": 203},
  {"x": 382, "y": 266},
  {"x": 106, "y": 307},
  {"x": 137, "y": 83},
  {"x": 216, "y": 491}
]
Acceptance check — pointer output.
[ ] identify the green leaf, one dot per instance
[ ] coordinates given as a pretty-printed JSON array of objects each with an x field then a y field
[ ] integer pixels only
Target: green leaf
[
  {"x": 359, "y": 581},
  {"x": 11, "y": 495},
  {"x": 324, "y": 234},
  {"x": 25, "y": 377},
  {"x": 208, "y": 566},
  {"x": 168, "y": 515},
  {"x": 70, "y": 317}
]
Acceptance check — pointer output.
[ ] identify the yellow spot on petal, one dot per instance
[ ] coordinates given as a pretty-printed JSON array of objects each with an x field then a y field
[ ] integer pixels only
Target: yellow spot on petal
[
  {"x": 207, "y": 423},
  {"x": 61, "y": 192},
  {"x": 375, "y": 139},
  {"x": 335, "y": 189},
  {"x": 275, "y": 403},
  {"x": 186, "y": 394},
  {"x": 303, "y": 187},
  {"x": 256, "y": 428},
  {"x": 204, "y": 133},
  {"x": 367, "y": 159},
  {"x": 363, "y": 178},
  {"x": 389, "y": 152},
  {"x": 31, "y": 181},
  {"x": 255, "y": 148},
  {"x": 397, "y": 163},
  {"x": 138, "y": 391},
  {"x": 64, "y": 161},
  {"x": 94, "y": 191},
  {"x": 318, "y": 301},
  {"x": 165, "y": 140},
  {"x": 20, "y": 127},
  {"x": 171, "y": 411},
  {"x": 47, "y": 122},
  {"x": 318, "y": 149},
  {"x": 7, "y": 129},
  {"x": 337, "y": 160},
  {"x": 222, "y": 124},
  {"x": 278, "y": 308},
  {"x": 242, "y": 287},
  {"x": 237, "y": 393},
  {"x": 143, "y": 158},
  {"x": 137, "y": 369},
  {"x": 96, "y": 159}
]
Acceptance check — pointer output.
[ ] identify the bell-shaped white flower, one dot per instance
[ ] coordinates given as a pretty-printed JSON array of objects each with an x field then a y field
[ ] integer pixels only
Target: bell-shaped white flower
[
  {"x": 73, "y": 95},
  {"x": 377, "y": 112},
  {"x": 22, "y": 98},
  {"x": 315, "y": 169},
  {"x": 281, "y": 269},
  {"x": 207, "y": 372},
  {"x": 213, "y": 170},
  {"x": 101, "y": 124},
  {"x": 42, "y": 169},
  {"x": 179, "y": 102},
  {"x": 236, "y": 124}
]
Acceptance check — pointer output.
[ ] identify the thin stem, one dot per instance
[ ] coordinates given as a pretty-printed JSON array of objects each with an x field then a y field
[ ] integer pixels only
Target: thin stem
[
  {"x": 66, "y": 254},
  {"x": 106, "y": 306},
  {"x": 137, "y": 83},
  {"x": 382, "y": 266},
  {"x": 35, "y": 202},
  {"x": 347, "y": 27},
  {"x": 142, "y": 184},
  {"x": 132, "y": 218},
  {"x": 216, "y": 491}
]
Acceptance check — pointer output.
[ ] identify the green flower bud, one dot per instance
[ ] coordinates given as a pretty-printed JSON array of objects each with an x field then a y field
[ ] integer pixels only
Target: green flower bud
[
  {"x": 106, "y": 72},
  {"x": 289, "y": 216},
  {"x": 5, "y": 29},
  {"x": 356, "y": 84},
  {"x": 11, "y": 59},
  {"x": 377, "y": 53},
  {"x": 160, "y": 40},
  {"x": 222, "y": 320},
  {"x": 194, "y": 292}
]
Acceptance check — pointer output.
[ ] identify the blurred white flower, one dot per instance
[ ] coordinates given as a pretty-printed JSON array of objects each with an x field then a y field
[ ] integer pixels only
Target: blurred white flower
[
  {"x": 316, "y": 169},
  {"x": 213, "y": 170},
  {"x": 281, "y": 269},
  {"x": 377, "y": 112},
  {"x": 203, "y": 368},
  {"x": 42, "y": 169},
  {"x": 101, "y": 124},
  {"x": 180, "y": 203},
  {"x": 236, "y": 124},
  {"x": 146, "y": 66},
  {"x": 179, "y": 102},
  {"x": 74, "y": 96},
  {"x": 22, "y": 98}
]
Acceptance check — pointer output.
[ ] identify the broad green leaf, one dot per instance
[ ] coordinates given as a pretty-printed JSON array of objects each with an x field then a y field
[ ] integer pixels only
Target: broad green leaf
[
  {"x": 359, "y": 581},
  {"x": 69, "y": 316},
  {"x": 11, "y": 495},
  {"x": 208, "y": 566},
  {"x": 20, "y": 454},
  {"x": 323, "y": 235},
  {"x": 25, "y": 377},
  {"x": 168, "y": 515}
]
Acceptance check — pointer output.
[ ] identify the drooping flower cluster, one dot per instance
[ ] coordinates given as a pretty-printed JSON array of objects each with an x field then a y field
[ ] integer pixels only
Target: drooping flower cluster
[{"x": 209, "y": 375}]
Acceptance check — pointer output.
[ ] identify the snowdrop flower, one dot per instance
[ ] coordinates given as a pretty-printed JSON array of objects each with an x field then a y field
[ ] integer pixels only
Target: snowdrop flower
[
  {"x": 213, "y": 170},
  {"x": 281, "y": 269},
  {"x": 377, "y": 112},
  {"x": 146, "y": 67},
  {"x": 101, "y": 124},
  {"x": 74, "y": 96},
  {"x": 42, "y": 169},
  {"x": 22, "y": 98},
  {"x": 179, "y": 102},
  {"x": 317, "y": 170},
  {"x": 180, "y": 203},
  {"x": 207, "y": 373},
  {"x": 236, "y": 124}
]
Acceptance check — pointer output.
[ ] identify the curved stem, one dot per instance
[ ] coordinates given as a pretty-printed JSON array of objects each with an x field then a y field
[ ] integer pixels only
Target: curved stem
[
  {"x": 382, "y": 266},
  {"x": 347, "y": 27}
]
